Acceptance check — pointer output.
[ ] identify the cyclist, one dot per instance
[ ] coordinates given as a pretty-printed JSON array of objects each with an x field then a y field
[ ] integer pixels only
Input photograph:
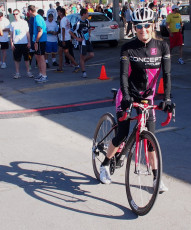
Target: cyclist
[{"x": 140, "y": 63}]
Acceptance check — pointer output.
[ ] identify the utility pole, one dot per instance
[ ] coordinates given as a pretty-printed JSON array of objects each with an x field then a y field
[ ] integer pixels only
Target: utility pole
[{"x": 116, "y": 10}]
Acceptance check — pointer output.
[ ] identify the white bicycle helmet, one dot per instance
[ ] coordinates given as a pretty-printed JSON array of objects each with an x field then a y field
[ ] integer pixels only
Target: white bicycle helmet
[{"x": 141, "y": 15}]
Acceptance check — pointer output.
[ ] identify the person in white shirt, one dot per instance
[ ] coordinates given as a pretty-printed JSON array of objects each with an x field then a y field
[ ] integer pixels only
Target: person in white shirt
[
  {"x": 5, "y": 27},
  {"x": 66, "y": 39},
  {"x": 52, "y": 41},
  {"x": 53, "y": 12},
  {"x": 163, "y": 11},
  {"x": 20, "y": 42}
]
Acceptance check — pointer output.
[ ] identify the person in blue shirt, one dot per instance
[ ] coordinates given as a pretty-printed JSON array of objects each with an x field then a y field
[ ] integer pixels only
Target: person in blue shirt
[{"x": 39, "y": 39}]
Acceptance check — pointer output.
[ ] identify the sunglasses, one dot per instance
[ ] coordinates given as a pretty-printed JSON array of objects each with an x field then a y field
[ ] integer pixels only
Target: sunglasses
[
  {"x": 140, "y": 26},
  {"x": 15, "y": 14}
]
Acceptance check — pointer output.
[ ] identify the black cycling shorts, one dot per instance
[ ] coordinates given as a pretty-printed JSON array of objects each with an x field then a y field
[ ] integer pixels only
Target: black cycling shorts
[
  {"x": 19, "y": 51},
  {"x": 123, "y": 128}
]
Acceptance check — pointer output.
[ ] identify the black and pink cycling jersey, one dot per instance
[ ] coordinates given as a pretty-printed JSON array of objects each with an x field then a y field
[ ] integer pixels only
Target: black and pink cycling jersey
[{"x": 140, "y": 65}]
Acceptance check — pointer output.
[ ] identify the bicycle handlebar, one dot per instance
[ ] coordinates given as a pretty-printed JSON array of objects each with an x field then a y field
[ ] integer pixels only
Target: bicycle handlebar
[
  {"x": 135, "y": 105},
  {"x": 168, "y": 119}
]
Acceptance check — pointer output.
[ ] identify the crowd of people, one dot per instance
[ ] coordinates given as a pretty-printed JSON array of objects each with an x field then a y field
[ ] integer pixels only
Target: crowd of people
[
  {"x": 34, "y": 33},
  {"x": 46, "y": 34}
]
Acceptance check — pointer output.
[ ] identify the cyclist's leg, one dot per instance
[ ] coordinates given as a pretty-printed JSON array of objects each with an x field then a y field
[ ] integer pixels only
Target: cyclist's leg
[
  {"x": 123, "y": 131},
  {"x": 114, "y": 144},
  {"x": 152, "y": 156}
]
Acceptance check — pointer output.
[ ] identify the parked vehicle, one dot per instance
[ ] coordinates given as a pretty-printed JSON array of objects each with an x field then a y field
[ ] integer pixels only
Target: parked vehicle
[{"x": 103, "y": 29}]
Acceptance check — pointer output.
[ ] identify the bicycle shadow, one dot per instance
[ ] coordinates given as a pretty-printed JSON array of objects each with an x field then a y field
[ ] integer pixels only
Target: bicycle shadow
[{"x": 59, "y": 186}]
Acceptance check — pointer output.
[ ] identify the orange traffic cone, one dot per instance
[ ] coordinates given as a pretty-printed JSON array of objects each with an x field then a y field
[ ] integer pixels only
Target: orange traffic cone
[
  {"x": 161, "y": 87},
  {"x": 103, "y": 75}
]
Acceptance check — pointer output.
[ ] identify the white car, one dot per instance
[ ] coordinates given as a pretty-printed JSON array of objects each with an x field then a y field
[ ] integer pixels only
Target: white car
[{"x": 103, "y": 28}]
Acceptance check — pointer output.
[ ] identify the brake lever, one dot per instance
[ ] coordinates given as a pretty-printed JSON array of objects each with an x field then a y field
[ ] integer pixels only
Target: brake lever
[{"x": 126, "y": 113}]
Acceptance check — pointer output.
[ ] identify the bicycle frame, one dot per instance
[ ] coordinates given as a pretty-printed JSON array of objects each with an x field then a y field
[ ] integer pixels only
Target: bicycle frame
[{"x": 140, "y": 127}]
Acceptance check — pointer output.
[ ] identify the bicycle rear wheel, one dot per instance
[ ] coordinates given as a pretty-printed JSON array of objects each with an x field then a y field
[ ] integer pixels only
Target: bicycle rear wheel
[
  {"x": 104, "y": 126},
  {"x": 141, "y": 192}
]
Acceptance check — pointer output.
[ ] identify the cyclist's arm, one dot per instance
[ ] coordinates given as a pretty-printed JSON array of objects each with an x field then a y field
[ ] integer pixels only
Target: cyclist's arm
[
  {"x": 124, "y": 70},
  {"x": 166, "y": 68}
]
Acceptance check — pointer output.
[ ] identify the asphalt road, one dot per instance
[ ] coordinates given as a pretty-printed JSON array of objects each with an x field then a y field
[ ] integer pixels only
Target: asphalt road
[{"x": 46, "y": 175}]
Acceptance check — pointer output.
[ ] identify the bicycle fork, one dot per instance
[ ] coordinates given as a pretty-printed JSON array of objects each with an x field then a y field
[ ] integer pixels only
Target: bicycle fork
[{"x": 138, "y": 150}]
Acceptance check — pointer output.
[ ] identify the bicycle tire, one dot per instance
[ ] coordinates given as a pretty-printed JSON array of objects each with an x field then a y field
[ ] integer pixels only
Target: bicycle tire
[
  {"x": 105, "y": 124},
  {"x": 141, "y": 194}
]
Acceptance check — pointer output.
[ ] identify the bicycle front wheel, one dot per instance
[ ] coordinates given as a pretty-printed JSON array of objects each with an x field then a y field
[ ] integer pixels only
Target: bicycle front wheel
[
  {"x": 141, "y": 189},
  {"x": 104, "y": 133}
]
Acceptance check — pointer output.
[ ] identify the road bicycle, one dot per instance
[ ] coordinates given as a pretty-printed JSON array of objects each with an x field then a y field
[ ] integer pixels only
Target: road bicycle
[{"x": 141, "y": 148}]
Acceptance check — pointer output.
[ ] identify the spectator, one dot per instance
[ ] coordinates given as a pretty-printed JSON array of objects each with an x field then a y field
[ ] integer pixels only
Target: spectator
[
  {"x": 20, "y": 42},
  {"x": 39, "y": 39},
  {"x": 53, "y": 12},
  {"x": 179, "y": 3},
  {"x": 108, "y": 14},
  {"x": 66, "y": 40},
  {"x": 183, "y": 28},
  {"x": 90, "y": 8},
  {"x": 128, "y": 14},
  {"x": 82, "y": 30},
  {"x": 25, "y": 10},
  {"x": 109, "y": 8},
  {"x": 169, "y": 9},
  {"x": 2, "y": 9},
  {"x": 58, "y": 6},
  {"x": 163, "y": 11},
  {"x": 160, "y": 5},
  {"x": 5, "y": 27},
  {"x": 52, "y": 41},
  {"x": 78, "y": 7},
  {"x": 100, "y": 9},
  {"x": 60, "y": 50},
  {"x": 152, "y": 6},
  {"x": 96, "y": 8},
  {"x": 10, "y": 15},
  {"x": 73, "y": 9},
  {"x": 123, "y": 15},
  {"x": 41, "y": 12},
  {"x": 32, "y": 50},
  {"x": 174, "y": 26}
]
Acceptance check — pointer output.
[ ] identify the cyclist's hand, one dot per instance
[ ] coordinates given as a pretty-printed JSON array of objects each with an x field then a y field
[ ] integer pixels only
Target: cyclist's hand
[
  {"x": 166, "y": 105},
  {"x": 126, "y": 103}
]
